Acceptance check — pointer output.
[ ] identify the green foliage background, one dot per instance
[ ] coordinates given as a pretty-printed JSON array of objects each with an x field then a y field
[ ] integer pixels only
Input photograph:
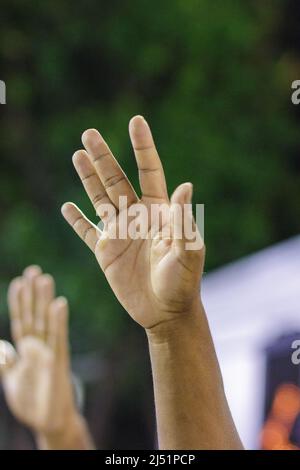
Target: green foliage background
[{"x": 212, "y": 78}]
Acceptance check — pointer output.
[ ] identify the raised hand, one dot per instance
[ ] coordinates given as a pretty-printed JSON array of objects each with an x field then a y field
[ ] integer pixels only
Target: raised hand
[
  {"x": 156, "y": 279},
  {"x": 36, "y": 376}
]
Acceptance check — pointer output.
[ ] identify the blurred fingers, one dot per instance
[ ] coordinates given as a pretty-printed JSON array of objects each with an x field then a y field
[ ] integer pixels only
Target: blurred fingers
[
  {"x": 8, "y": 356},
  {"x": 15, "y": 308},
  {"x": 28, "y": 298},
  {"x": 58, "y": 328},
  {"x": 44, "y": 294}
]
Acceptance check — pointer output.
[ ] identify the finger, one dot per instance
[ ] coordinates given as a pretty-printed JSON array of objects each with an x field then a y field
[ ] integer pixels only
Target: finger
[
  {"x": 86, "y": 230},
  {"x": 184, "y": 229},
  {"x": 15, "y": 308},
  {"x": 8, "y": 356},
  {"x": 92, "y": 183},
  {"x": 151, "y": 173},
  {"x": 111, "y": 174},
  {"x": 44, "y": 293},
  {"x": 58, "y": 338},
  {"x": 28, "y": 300}
]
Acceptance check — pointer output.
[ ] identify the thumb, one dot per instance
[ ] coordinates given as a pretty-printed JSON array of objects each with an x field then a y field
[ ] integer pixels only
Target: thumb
[
  {"x": 181, "y": 213},
  {"x": 8, "y": 356},
  {"x": 182, "y": 194},
  {"x": 185, "y": 233}
]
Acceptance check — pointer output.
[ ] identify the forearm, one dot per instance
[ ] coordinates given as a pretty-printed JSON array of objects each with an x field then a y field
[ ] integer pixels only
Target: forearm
[
  {"x": 191, "y": 407},
  {"x": 74, "y": 436}
]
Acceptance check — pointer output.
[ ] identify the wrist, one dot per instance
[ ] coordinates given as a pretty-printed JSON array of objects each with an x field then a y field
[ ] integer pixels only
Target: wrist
[
  {"x": 182, "y": 339},
  {"x": 71, "y": 436},
  {"x": 189, "y": 322}
]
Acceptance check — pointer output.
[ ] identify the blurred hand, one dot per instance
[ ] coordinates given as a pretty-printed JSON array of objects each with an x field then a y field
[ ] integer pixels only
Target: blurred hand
[
  {"x": 36, "y": 377},
  {"x": 156, "y": 279}
]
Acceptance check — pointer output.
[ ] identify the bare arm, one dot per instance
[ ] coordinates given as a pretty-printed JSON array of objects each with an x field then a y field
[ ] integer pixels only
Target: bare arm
[
  {"x": 74, "y": 435},
  {"x": 157, "y": 280},
  {"x": 191, "y": 407}
]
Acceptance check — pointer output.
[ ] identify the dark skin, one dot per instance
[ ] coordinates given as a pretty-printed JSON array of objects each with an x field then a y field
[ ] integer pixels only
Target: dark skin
[{"x": 157, "y": 281}]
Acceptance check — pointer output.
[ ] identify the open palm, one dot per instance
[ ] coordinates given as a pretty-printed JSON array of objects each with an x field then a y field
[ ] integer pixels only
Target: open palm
[
  {"x": 155, "y": 277},
  {"x": 36, "y": 377}
]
